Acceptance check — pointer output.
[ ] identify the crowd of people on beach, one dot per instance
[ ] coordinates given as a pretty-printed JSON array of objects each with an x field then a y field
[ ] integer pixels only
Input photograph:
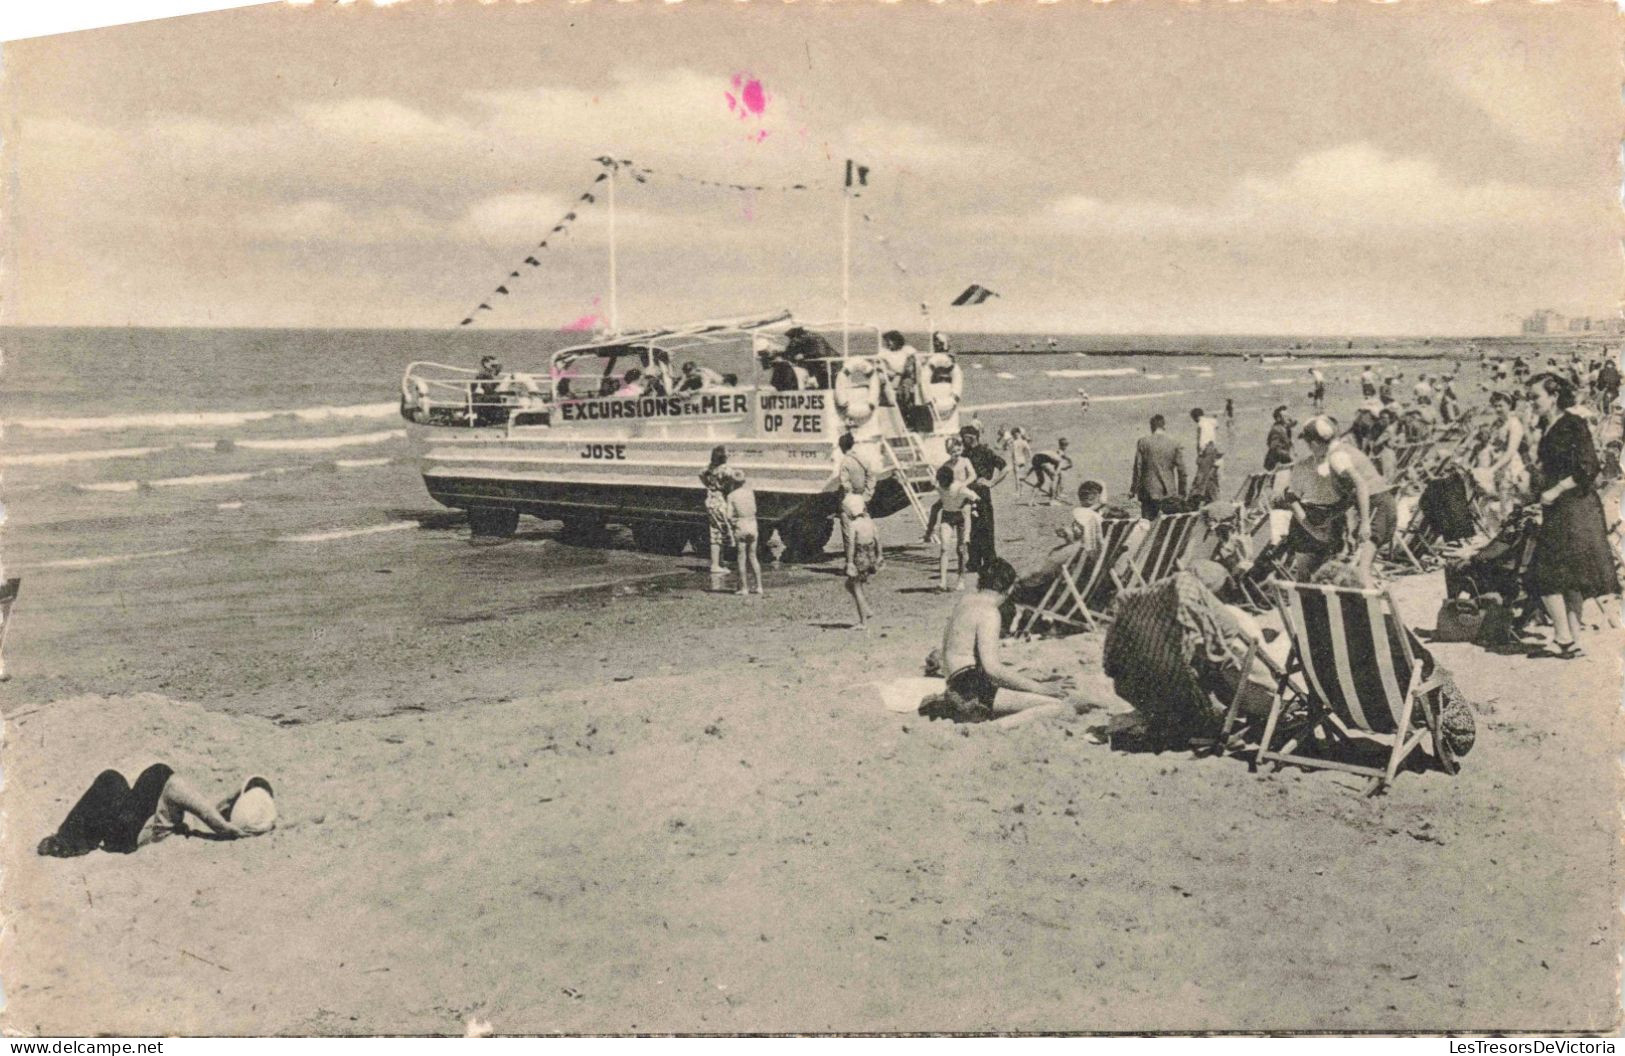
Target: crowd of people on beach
[{"x": 1533, "y": 455}]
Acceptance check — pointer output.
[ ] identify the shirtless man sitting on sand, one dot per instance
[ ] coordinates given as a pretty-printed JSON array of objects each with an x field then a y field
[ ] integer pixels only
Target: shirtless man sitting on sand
[{"x": 970, "y": 653}]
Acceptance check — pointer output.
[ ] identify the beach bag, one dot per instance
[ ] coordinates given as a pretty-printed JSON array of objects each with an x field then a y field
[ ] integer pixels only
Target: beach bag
[{"x": 1460, "y": 620}]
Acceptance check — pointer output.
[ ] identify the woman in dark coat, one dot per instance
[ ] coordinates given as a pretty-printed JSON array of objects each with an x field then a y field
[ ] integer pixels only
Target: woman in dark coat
[{"x": 1573, "y": 560}]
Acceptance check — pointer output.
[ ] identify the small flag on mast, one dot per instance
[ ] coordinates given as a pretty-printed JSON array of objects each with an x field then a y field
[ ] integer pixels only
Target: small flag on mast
[
  {"x": 856, "y": 175},
  {"x": 973, "y": 294}
]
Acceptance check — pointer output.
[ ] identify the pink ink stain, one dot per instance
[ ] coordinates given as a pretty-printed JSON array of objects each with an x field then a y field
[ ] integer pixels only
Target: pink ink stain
[
  {"x": 748, "y": 98},
  {"x": 590, "y": 321}
]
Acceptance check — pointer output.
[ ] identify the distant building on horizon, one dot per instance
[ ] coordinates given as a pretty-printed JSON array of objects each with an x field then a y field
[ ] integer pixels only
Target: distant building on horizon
[{"x": 1547, "y": 321}]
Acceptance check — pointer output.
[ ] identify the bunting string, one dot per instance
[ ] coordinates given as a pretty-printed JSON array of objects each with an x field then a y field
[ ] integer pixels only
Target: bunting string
[
  {"x": 532, "y": 260},
  {"x": 590, "y": 196}
]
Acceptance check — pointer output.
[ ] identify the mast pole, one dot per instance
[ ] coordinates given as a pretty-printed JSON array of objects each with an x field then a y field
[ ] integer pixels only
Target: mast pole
[
  {"x": 614, "y": 308},
  {"x": 846, "y": 262}
]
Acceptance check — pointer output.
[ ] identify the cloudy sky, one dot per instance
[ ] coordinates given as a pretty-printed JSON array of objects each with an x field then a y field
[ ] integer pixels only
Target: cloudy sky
[{"x": 1132, "y": 167}]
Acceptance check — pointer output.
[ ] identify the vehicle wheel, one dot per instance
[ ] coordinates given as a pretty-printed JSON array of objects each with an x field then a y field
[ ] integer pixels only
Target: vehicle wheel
[
  {"x": 582, "y": 531},
  {"x": 804, "y": 538},
  {"x": 498, "y": 521},
  {"x": 660, "y": 538}
]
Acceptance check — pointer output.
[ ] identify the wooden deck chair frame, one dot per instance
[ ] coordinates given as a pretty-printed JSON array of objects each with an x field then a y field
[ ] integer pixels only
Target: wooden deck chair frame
[
  {"x": 1351, "y": 694},
  {"x": 1067, "y": 598},
  {"x": 1162, "y": 552},
  {"x": 8, "y": 599}
]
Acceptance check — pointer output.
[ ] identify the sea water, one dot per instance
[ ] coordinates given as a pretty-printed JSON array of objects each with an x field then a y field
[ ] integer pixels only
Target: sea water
[{"x": 121, "y": 444}]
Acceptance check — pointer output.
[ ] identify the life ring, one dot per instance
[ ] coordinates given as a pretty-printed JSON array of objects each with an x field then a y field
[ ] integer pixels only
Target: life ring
[
  {"x": 857, "y": 392},
  {"x": 942, "y": 384}
]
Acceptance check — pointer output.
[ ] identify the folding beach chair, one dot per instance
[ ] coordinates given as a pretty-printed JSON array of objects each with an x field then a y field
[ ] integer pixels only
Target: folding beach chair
[
  {"x": 1163, "y": 551},
  {"x": 1253, "y": 497},
  {"x": 1403, "y": 461},
  {"x": 1420, "y": 538},
  {"x": 8, "y": 598},
  {"x": 1362, "y": 676},
  {"x": 1081, "y": 590}
]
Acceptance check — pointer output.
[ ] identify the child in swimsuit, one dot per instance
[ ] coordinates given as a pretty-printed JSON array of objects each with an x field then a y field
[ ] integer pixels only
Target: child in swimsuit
[
  {"x": 950, "y": 520},
  {"x": 867, "y": 555},
  {"x": 742, "y": 515}
]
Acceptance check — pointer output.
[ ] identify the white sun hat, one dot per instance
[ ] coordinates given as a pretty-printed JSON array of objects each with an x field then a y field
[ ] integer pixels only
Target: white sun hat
[{"x": 254, "y": 809}]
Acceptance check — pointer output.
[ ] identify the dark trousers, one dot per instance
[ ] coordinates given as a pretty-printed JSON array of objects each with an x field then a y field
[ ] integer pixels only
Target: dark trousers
[
  {"x": 1151, "y": 509},
  {"x": 112, "y": 812},
  {"x": 981, "y": 548}
]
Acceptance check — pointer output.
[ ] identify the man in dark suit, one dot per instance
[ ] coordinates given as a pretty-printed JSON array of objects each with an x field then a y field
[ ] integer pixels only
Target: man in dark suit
[{"x": 1159, "y": 471}]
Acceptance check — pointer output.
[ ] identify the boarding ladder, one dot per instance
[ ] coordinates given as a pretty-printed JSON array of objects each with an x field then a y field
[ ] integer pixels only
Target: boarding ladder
[{"x": 904, "y": 455}]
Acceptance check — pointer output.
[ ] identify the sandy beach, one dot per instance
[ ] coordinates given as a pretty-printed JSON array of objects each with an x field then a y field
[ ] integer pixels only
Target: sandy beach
[{"x": 644, "y": 807}]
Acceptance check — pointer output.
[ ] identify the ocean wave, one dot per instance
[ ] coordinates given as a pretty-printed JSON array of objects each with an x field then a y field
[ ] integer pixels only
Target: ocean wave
[
  {"x": 1097, "y": 372},
  {"x": 311, "y": 443},
  {"x": 59, "y": 458},
  {"x": 347, "y": 533},
  {"x": 105, "y": 559},
  {"x": 205, "y": 419},
  {"x": 1005, "y": 376},
  {"x": 194, "y": 480},
  {"x": 1076, "y": 400}
]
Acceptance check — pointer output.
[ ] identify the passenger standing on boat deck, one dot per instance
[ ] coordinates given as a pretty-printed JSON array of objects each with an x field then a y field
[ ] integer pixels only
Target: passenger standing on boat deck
[
  {"x": 990, "y": 470},
  {"x": 810, "y": 353},
  {"x": 696, "y": 378},
  {"x": 1317, "y": 394},
  {"x": 1159, "y": 471},
  {"x": 900, "y": 361},
  {"x": 1208, "y": 457},
  {"x": 716, "y": 507},
  {"x": 487, "y": 392},
  {"x": 1368, "y": 382},
  {"x": 1278, "y": 446},
  {"x": 742, "y": 516},
  {"x": 856, "y": 478}
]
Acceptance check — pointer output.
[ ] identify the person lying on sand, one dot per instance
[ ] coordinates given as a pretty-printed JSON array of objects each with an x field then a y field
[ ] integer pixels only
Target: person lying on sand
[
  {"x": 970, "y": 653},
  {"x": 118, "y": 817}
]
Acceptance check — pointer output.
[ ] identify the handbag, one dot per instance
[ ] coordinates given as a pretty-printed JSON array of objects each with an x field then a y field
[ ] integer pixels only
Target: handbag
[{"x": 1460, "y": 620}]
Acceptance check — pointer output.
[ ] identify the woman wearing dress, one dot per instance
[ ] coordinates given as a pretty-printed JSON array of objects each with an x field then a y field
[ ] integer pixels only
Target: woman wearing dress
[{"x": 1573, "y": 560}]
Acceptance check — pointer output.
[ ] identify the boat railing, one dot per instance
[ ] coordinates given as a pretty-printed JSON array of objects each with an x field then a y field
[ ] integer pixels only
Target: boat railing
[{"x": 442, "y": 394}]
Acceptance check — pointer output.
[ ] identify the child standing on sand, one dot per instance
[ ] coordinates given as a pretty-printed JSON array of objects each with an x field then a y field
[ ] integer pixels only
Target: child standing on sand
[
  {"x": 950, "y": 520},
  {"x": 1021, "y": 455},
  {"x": 867, "y": 554},
  {"x": 742, "y": 517}
]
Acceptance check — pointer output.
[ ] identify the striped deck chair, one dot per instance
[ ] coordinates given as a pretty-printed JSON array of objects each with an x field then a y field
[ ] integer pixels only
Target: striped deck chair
[
  {"x": 1402, "y": 461},
  {"x": 1081, "y": 590},
  {"x": 1163, "y": 551},
  {"x": 1253, "y": 497},
  {"x": 1363, "y": 679},
  {"x": 8, "y": 598}
]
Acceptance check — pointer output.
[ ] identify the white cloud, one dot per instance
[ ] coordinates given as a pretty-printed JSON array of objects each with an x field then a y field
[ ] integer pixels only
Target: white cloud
[{"x": 1347, "y": 191}]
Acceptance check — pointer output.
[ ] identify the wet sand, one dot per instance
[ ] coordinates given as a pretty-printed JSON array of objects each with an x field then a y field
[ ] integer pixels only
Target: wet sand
[{"x": 605, "y": 799}]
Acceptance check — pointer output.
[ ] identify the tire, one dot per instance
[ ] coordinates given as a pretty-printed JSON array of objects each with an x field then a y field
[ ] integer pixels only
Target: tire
[
  {"x": 660, "y": 538},
  {"x": 582, "y": 531},
  {"x": 493, "y": 521},
  {"x": 804, "y": 538}
]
